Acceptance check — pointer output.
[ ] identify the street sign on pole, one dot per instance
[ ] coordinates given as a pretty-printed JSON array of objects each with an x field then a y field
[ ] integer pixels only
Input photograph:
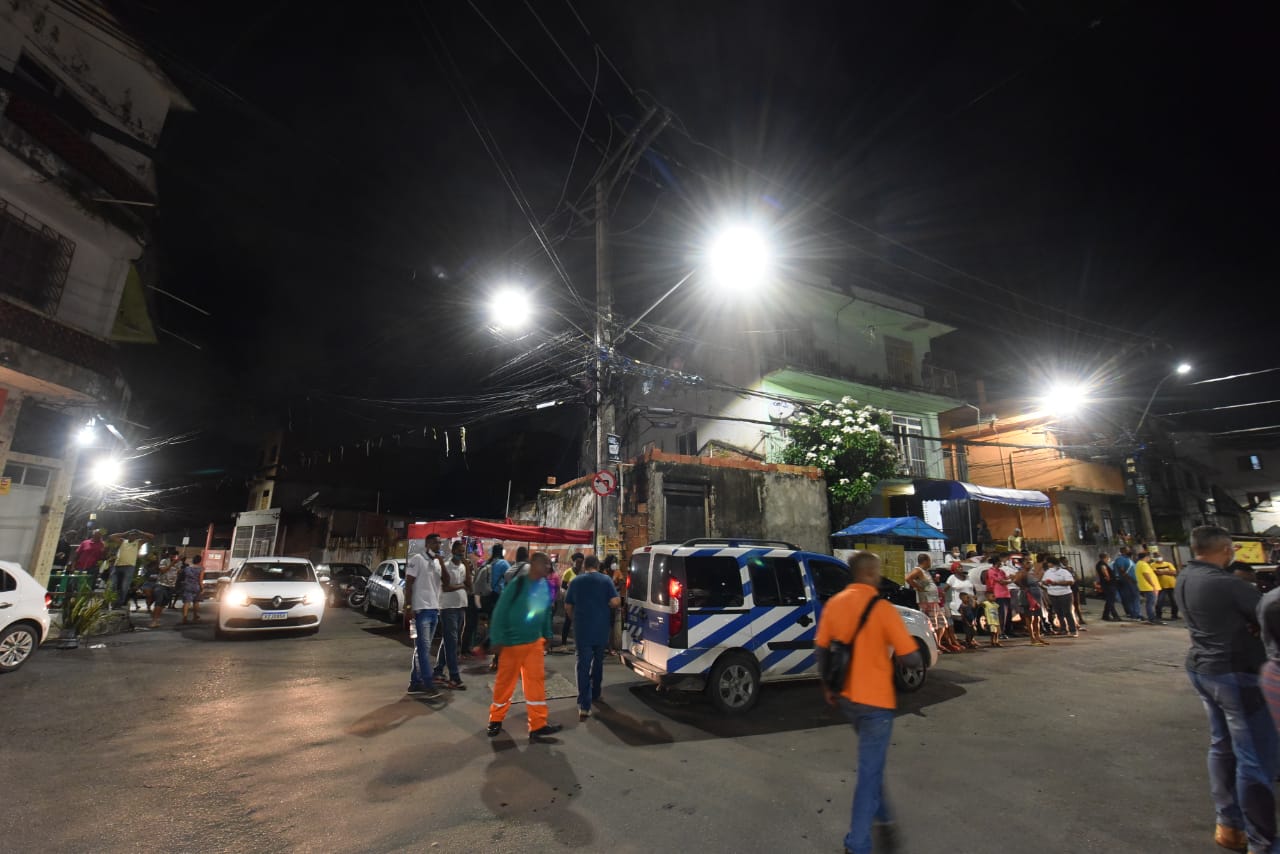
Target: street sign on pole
[
  {"x": 614, "y": 444},
  {"x": 604, "y": 483}
]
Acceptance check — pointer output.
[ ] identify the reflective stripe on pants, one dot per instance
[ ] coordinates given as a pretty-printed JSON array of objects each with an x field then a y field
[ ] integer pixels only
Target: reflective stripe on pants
[{"x": 525, "y": 662}]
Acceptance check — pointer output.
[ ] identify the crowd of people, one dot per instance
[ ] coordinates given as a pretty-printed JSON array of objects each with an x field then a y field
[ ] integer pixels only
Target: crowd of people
[
  {"x": 119, "y": 565},
  {"x": 504, "y": 610},
  {"x": 1011, "y": 594}
]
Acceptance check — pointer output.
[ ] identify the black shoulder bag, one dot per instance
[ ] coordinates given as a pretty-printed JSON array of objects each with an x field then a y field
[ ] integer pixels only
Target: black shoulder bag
[{"x": 840, "y": 655}]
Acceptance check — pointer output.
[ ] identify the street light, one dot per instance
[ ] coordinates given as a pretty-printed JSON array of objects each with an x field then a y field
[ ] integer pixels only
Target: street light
[
  {"x": 1066, "y": 396},
  {"x": 738, "y": 257},
  {"x": 107, "y": 471},
  {"x": 1182, "y": 370},
  {"x": 1144, "y": 501},
  {"x": 87, "y": 435},
  {"x": 509, "y": 308}
]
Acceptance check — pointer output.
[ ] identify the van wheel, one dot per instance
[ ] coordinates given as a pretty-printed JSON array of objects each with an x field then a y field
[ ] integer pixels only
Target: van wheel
[
  {"x": 912, "y": 679},
  {"x": 734, "y": 685}
]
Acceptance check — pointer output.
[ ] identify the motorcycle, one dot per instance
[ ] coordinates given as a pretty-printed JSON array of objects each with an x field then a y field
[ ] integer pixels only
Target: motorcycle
[{"x": 358, "y": 593}]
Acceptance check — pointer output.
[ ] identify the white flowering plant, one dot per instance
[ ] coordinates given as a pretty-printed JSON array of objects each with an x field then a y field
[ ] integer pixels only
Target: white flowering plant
[{"x": 852, "y": 445}]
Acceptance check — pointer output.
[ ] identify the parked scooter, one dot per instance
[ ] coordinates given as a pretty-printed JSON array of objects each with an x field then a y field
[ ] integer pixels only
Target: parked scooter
[{"x": 359, "y": 591}]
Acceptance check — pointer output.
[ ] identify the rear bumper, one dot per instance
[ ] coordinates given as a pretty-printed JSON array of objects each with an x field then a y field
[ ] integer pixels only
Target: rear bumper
[{"x": 661, "y": 678}]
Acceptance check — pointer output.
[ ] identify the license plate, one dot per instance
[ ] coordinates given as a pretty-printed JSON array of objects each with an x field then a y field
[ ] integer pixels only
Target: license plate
[
  {"x": 637, "y": 649},
  {"x": 275, "y": 615}
]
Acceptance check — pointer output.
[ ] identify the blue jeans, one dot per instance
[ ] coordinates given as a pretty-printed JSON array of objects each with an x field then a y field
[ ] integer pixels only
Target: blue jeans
[
  {"x": 425, "y": 621},
  {"x": 122, "y": 582},
  {"x": 590, "y": 674},
  {"x": 451, "y": 620},
  {"x": 1242, "y": 755},
  {"x": 1149, "y": 601},
  {"x": 874, "y": 728},
  {"x": 1129, "y": 598}
]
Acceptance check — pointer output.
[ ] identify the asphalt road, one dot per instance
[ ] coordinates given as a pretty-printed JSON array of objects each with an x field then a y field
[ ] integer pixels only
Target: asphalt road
[{"x": 170, "y": 741}]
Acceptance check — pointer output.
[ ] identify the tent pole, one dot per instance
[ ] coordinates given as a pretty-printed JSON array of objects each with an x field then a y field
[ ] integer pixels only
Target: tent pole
[{"x": 968, "y": 533}]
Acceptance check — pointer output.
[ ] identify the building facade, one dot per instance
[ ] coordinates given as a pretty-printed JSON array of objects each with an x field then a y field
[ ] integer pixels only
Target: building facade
[
  {"x": 1091, "y": 508},
  {"x": 735, "y": 387},
  {"x": 81, "y": 111}
]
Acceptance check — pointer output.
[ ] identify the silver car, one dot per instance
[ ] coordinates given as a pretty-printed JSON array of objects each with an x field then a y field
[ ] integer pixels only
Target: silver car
[{"x": 386, "y": 590}]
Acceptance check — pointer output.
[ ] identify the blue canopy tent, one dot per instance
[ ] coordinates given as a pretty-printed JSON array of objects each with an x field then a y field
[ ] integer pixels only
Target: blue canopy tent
[
  {"x": 958, "y": 490},
  {"x": 892, "y": 526}
]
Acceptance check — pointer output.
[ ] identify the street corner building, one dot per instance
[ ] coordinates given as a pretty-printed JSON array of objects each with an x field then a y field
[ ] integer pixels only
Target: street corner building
[{"x": 81, "y": 112}]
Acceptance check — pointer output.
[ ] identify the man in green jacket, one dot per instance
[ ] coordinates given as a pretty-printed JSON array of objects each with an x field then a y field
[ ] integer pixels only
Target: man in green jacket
[{"x": 521, "y": 627}]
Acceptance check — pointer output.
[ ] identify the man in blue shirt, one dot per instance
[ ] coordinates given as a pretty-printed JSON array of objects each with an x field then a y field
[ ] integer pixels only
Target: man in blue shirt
[
  {"x": 498, "y": 567},
  {"x": 590, "y": 603},
  {"x": 1127, "y": 579}
]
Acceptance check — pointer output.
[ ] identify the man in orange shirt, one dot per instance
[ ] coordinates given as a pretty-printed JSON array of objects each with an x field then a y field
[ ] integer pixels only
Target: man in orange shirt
[{"x": 868, "y": 698}]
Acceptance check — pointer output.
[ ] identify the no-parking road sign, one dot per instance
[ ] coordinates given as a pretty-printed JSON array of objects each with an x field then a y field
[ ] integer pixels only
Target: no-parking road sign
[{"x": 604, "y": 483}]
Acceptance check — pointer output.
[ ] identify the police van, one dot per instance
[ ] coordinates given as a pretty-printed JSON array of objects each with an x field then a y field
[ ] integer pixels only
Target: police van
[{"x": 726, "y": 615}]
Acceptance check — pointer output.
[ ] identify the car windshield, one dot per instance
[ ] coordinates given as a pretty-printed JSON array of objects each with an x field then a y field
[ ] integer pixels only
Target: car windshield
[{"x": 276, "y": 572}]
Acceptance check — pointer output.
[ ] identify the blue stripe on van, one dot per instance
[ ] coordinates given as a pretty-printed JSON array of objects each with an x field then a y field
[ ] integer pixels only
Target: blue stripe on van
[
  {"x": 762, "y": 636},
  {"x": 804, "y": 665},
  {"x": 773, "y": 658}
]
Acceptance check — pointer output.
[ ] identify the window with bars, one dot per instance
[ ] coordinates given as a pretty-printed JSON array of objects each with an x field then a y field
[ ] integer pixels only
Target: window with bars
[
  {"x": 899, "y": 360},
  {"x": 34, "y": 259},
  {"x": 908, "y": 435}
]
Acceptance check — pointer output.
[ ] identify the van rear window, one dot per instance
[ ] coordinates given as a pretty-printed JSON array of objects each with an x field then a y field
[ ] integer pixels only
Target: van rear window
[
  {"x": 658, "y": 581},
  {"x": 638, "y": 580},
  {"x": 713, "y": 582}
]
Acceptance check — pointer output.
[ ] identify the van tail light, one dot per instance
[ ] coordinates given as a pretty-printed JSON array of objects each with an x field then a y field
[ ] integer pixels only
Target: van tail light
[
  {"x": 676, "y": 590},
  {"x": 628, "y": 585},
  {"x": 48, "y": 600}
]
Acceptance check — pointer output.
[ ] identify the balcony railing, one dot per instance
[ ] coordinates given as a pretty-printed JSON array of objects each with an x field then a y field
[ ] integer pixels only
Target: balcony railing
[{"x": 789, "y": 352}]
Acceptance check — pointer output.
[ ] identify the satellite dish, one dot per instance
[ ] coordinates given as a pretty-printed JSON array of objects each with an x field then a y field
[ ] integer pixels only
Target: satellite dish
[{"x": 781, "y": 410}]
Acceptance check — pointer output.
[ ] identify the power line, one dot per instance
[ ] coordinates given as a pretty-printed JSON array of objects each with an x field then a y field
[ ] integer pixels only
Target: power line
[
  {"x": 1220, "y": 408},
  {"x": 458, "y": 84},
  {"x": 1235, "y": 376}
]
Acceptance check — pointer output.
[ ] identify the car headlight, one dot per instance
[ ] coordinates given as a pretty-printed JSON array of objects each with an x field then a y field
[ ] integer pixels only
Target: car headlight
[
  {"x": 237, "y": 598},
  {"x": 312, "y": 598}
]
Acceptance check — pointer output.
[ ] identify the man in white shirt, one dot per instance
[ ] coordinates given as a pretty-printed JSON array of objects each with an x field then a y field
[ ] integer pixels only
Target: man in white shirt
[
  {"x": 1059, "y": 580},
  {"x": 423, "y": 581}
]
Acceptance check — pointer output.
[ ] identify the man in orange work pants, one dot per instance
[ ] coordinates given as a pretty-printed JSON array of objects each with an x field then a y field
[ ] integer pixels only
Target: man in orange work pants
[{"x": 521, "y": 627}]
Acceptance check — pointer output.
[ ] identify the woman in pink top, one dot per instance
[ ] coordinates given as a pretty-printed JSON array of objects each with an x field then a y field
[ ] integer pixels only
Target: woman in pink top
[{"x": 998, "y": 581}]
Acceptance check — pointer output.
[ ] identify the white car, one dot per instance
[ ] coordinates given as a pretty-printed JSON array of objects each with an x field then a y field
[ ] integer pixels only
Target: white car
[
  {"x": 270, "y": 594},
  {"x": 24, "y": 616}
]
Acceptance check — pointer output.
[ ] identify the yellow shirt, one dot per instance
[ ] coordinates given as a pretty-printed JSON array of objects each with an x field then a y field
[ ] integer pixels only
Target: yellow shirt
[
  {"x": 1148, "y": 581},
  {"x": 1167, "y": 582},
  {"x": 127, "y": 554}
]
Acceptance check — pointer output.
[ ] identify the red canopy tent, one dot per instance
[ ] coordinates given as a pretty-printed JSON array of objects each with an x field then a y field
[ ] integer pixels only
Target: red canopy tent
[{"x": 500, "y": 531}]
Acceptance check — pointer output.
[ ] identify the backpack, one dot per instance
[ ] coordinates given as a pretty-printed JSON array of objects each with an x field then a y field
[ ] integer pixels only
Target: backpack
[{"x": 482, "y": 583}]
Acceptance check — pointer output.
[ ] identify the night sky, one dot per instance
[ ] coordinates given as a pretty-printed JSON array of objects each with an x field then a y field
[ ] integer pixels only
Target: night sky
[{"x": 1080, "y": 187}]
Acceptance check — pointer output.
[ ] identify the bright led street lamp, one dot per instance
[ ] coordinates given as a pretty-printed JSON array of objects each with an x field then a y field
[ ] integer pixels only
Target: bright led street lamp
[
  {"x": 739, "y": 257},
  {"x": 107, "y": 471},
  {"x": 510, "y": 308}
]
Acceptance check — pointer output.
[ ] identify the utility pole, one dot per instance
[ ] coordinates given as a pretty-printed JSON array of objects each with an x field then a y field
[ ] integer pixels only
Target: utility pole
[{"x": 619, "y": 163}]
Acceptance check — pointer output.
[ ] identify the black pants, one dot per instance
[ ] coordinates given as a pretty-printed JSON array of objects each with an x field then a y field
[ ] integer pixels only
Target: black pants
[
  {"x": 1061, "y": 606},
  {"x": 960, "y": 624},
  {"x": 1109, "y": 602},
  {"x": 469, "y": 629},
  {"x": 1166, "y": 600},
  {"x": 564, "y": 632}
]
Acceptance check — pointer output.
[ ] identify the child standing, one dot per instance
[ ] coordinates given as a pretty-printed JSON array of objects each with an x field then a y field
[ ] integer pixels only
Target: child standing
[{"x": 991, "y": 609}]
